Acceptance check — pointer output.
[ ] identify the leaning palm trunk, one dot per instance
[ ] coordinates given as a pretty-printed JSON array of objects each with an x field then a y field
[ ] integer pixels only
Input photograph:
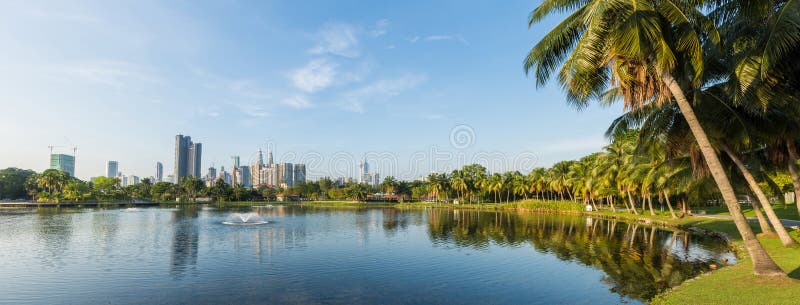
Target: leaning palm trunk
[
  {"x": 669, "y": 205},
  {"x": 762, "y": 262},
  {"x": 762, "y": 221},
  {"x": 793, "y": 172},
  {"x": 633, "y": 204},
  {"x": 650, "y": 205},
  {"x": 751, "y": 182}
]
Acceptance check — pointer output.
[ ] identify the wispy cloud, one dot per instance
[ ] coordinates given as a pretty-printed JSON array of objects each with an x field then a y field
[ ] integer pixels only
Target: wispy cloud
[
  {"x": 381, "y": 28},
  {"x": 337, "y": 38},
  {"x": 316, "y": 75},
  {"x": 248, "y": 89},
  {"x": 381, "y": 90},
  {"x": 110, "y": 72},
  {"x": 252, "y": 109},
  {"x": 298, "y": 101},
  {"x": 440, "y": 37},
  {"x": 433, "y": 117}
]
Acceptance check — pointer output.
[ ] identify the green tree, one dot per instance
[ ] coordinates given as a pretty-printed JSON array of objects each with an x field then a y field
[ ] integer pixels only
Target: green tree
[{"x": 640, "y": 47}]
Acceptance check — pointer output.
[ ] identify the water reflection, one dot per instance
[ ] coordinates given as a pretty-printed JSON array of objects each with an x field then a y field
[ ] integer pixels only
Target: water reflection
[
  {"x": 185, "y": 238},
  {"x": 310, "y": 254},
  {"x": 639, "y": 261}
]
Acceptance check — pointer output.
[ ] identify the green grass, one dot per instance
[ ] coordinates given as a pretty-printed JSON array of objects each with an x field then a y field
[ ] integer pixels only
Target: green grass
[
  {"x": 784, "y": 211},
  {"x": 737, "y": 284}
]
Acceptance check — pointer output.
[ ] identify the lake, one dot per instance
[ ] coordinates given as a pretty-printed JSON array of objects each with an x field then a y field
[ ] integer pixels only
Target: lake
[{"x": 330, "y": 255}]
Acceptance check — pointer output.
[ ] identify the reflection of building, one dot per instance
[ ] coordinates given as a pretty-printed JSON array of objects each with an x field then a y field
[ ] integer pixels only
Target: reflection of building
[
  {"x": 112, "y": 168},
  {"x": 63, "y": 162},
  {"x": 185, "y": 237},
  {"x": 159, "y": 172},
  {"x": 188, "y": 158}
]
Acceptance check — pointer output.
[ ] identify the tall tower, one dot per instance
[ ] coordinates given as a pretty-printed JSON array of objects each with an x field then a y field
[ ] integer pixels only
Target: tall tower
[
  {"x": 195, "y": 159},
  {"x": 112, "y": 169},
  {"x": 181, "y": 157},
  {"x": 269, "y": 156},
  {"x": 159, "y": 172},
  {"x": 188, "y": 158},
  {"x": 260, "y": 158}
]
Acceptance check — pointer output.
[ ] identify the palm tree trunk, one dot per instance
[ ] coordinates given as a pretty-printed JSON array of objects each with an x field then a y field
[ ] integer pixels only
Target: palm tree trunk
[
  {"x": 761, "y": 197},
  {"x": 793, "y": 172},
  {"x": 762, "y": 262},
  {"x": 669, "y": 205},
  {"x": 762, "y": 221},
  {"x": 650, "y": 204},
  {"x": 633, "y": 204}
]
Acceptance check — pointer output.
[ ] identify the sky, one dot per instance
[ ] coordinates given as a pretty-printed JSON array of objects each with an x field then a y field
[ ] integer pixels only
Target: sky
[{"x": 412, "y": 86}]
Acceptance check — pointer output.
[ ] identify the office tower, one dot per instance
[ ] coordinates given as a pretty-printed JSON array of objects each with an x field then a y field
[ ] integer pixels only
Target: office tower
[
  {"x": 171, "y": 178},
  {"x": 269, "y": 156},
  {"x": 188, "y": 158},
  {"x": 245, "y": 174},
  {"x": 63, "y": 162},
  {"x": 123, "y": 181},
  {"x": 212, "y": 173},
  {"x": 133, "y": 180},
  {"x": 299, "y": 174},
  {"x": 195, "y": 160},
  {"x": 159, "y": 172},
  {"x": 285, "y": 175},
  {"x": 235, "y": 160},
  {"x": 112, "y": 169}
]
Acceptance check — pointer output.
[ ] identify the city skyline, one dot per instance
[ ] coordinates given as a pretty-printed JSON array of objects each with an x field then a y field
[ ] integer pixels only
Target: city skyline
[{"x": 329, "y": 80}]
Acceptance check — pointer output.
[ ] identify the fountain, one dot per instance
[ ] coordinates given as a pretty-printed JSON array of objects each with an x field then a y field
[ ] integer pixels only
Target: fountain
[{"x": 245, "y": 219}]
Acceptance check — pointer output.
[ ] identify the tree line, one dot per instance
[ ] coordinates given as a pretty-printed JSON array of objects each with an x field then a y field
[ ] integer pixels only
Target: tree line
[{"x": 714, "y": 81}]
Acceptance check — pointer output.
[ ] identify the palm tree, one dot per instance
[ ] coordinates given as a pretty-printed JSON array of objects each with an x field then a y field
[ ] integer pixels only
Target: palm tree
[{"x": 639, "y": 47}]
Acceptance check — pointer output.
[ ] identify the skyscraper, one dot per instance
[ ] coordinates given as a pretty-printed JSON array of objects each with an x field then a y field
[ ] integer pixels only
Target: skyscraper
[
  {"x": 188, "y": 158},
  {"x": 63, "y": 162},
  {"x": 269, "y": 155},
  {"x": 299, "y": 174},
  {"x": 195, "y": 159},
  {"x": 285, "y": 175},
  {"x": 112, "y": 169},
  {"x": 159, "y": 172},
  {"x": 235, "y": 161}
]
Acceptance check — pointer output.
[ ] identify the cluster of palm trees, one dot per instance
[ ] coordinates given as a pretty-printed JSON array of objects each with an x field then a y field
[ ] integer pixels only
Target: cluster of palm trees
[{"x": 701, "y": 78}]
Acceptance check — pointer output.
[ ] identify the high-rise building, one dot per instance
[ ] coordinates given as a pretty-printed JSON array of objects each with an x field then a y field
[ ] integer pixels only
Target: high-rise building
[
  {"x": 269, "y": 156},
  {"x": 159, "y": 172},
  {"x": 299, "y": 174},
  {"x": 212, "y": 173},
  {"x": 195, "y": 160},
  {"x": 63, "y": 162},
  {"x": 244, "y": 171},
  {"x": 188, "y": 158},
  {"x": 285, "y": 175},
  {"x": 112, "y": 169},
  {"x": 235, "y": 161}
]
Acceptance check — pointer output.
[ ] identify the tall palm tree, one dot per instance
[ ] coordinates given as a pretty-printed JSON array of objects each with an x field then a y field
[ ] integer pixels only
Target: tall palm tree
[{"x": 651, "y": 53}]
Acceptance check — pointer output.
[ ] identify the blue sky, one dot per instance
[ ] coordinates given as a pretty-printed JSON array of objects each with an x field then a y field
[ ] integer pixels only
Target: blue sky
[{"x": 416, "y": 86}]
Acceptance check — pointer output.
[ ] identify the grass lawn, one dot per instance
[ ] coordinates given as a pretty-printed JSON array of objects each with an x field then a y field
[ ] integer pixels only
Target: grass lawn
[
  {"x": 737, "y": 284},
  {"x": 784, "y": 211}
]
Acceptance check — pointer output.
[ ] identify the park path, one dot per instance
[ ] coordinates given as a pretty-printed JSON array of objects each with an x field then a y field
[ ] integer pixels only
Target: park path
[{"x": 785, "y": 222}]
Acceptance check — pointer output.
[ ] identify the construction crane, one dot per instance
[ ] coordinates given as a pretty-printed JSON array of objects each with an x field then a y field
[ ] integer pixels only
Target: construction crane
[{"x": 74, "y": 149}]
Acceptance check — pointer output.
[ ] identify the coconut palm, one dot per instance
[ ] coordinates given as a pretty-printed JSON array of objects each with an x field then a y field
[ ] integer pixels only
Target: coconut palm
[{"x": 650, "y": 52}]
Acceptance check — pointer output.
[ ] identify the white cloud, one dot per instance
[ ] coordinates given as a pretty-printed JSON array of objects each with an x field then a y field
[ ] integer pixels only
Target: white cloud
[
  {"x": 316, "y": 75},
  {"x": 248, "y": 89},
  {"x": 252, "y": 109},
  {"x": 440, "y": 37},
  {"x": 110, "y": 72},
  {"x": 355, "y": 100},
  {"x": 338, "y": 39},
  {"x": 298, "y": 101},
  {"x": 380, "y": 28}
]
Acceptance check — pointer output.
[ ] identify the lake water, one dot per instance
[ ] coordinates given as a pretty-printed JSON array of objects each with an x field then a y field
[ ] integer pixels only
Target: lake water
[{"x": 318, "y": 255}]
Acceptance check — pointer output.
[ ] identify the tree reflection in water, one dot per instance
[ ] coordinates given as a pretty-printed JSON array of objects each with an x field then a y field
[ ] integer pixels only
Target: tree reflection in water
[{"x": 639, "y": 261}]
